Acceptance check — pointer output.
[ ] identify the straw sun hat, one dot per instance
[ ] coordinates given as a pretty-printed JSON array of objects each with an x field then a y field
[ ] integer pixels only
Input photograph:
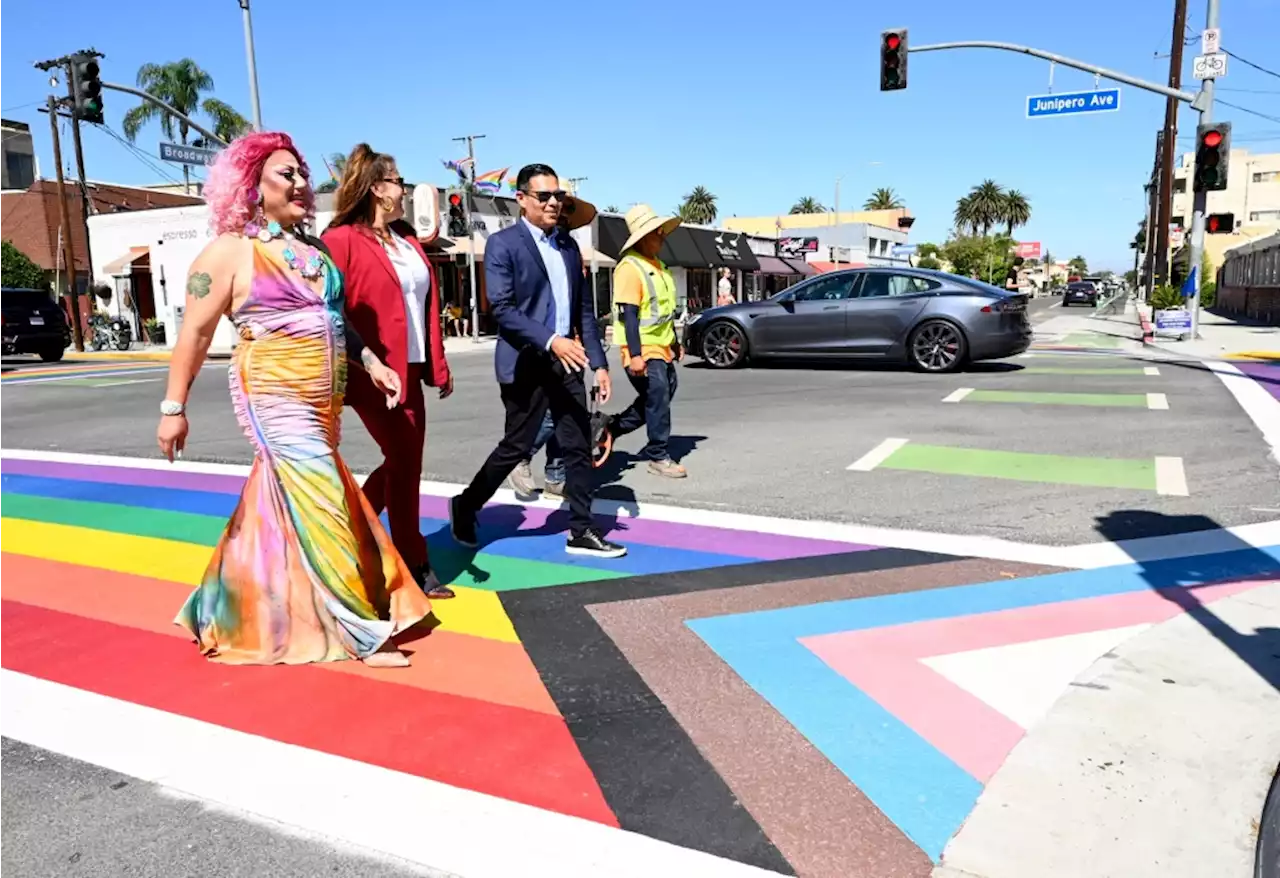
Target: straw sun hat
[{"x": 642, "y": 219}]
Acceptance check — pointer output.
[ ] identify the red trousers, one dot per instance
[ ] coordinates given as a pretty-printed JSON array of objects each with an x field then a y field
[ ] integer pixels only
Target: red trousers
[{"x": 401, "y": 433}]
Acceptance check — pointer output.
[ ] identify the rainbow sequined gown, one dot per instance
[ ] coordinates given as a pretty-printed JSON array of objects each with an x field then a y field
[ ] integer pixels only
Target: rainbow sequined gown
[{"x": 304, "y": 571}]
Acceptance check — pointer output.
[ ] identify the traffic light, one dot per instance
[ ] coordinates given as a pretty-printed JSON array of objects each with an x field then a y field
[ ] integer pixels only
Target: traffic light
[
  {"x": 1213, "y": 149},
  {"x": 457, "y": 216},
  {"x": 893, "y": 59},
  {"x": 86, "y": 86},
  {"x": 1220, "y": 223}
]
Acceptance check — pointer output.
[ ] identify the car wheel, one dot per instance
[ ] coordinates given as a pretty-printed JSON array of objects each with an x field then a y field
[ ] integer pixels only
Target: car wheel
[
  {"x": 52, "y": 355},
  {"x": 937, "y": 346},
  {"x": 724, "y": 345}
]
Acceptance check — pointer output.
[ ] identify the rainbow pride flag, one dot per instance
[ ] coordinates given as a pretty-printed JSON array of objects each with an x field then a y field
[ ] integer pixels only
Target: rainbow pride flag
[{"x": 491, "y": 181}]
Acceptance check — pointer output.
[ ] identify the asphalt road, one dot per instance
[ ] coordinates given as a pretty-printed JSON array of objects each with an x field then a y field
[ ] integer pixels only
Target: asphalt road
[
  {"x": 65, "y": 817},
  {"x": 778, "y": 439}
]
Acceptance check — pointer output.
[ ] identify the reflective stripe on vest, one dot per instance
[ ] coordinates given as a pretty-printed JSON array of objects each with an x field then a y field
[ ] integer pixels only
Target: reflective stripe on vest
[{"x": 657, "y": 314}]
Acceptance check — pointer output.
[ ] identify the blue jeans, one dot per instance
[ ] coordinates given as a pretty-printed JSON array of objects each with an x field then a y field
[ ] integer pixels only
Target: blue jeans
[
  {"x": 555, "y": 462},
  {"x": 651, "y": 408}
]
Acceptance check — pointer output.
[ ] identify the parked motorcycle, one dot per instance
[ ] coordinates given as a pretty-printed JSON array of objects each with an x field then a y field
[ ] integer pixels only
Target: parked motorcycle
[{"x": 110, "y": 332}]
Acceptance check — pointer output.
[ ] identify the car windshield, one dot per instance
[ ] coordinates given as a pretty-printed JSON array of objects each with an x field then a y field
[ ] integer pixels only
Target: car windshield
[{"x": 25, "y": 298}]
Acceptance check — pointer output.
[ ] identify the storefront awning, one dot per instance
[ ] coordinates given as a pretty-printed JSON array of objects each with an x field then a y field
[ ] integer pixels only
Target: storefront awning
[
  {"x": 774, "y": 265},
  {"x": 685, "y": 247},
  {"x": 801, "y": 266},
  {"x": 824, "y": 267},
  {"x": 123, "y": 266}
]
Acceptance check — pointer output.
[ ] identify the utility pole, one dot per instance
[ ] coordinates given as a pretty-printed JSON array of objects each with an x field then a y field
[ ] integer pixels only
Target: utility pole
[
  {"x": 253, "y": 65},
  {"x": 471, "y": 232},
  {"x": 68, "y": 250},
  {"x": 1169, "y": 147},
  {"x": 1200, "y": 198},
  {"x": 573, "y": 183},
  {"x": 84, "y": 185}
]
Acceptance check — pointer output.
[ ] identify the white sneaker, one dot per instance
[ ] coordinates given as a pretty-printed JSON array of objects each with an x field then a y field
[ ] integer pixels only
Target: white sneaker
[{"x": 521, "y": 481}]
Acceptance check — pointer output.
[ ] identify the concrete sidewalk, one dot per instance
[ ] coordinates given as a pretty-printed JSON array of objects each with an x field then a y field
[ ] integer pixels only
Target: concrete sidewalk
[
  {"x": 1222, "y": 338},
  {"x": 1156, "y": 762}
]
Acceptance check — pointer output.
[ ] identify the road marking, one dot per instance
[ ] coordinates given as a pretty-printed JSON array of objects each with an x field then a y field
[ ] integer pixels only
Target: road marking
[
  {"x": 957, "y": 395},
  {"x": 1171, "y": 478},
  {"x": 120, "y": 383},
  {"x": 877, "y": 455},
  {"x": 1087, "y": 370},
  {"x": 1036, "y": 397},
  {"x": 1157, "y": 402},
  {"x": 1261, "y": 407},
  {"x": 1150, "y": 370},
  {"x": 294, "y": 786},
  {"x": 1053, "y": 469}
]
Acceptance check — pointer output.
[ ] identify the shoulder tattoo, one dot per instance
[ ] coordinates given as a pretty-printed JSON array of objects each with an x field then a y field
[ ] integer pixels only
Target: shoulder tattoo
[{"x": 198, "y": 284}]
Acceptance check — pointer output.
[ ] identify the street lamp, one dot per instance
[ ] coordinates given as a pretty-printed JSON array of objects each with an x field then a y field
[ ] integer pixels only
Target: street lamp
[{"x": 253, "y": 66}]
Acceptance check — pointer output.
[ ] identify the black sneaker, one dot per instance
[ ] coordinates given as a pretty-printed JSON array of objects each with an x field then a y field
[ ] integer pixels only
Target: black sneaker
[
  {"x": 462, "y": 525},
  {"x": 590, "y": 542}
]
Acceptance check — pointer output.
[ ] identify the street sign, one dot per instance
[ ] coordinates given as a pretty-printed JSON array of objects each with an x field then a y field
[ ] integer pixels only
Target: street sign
[
  {"x": 1175, "y": 236},
  {"x": 904, "y": 249},
  {"x": 1175, "y": 321},
  {"x": 186, "y": 155},
  {"x": 1028, "y": 249},
  {"x": 1073, "y": 103},
  {"x": 1209, "y": 66},
  {"x": 1210, "y": 41}
]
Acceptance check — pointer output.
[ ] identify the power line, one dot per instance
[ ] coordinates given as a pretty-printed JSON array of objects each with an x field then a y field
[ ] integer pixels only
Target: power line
[
  {"x": 138, "y": 154},
  {"x": 1252, "y": 91},
  {"x": 1251, "y": 64},
  {"x": 1251, "y": 112}
]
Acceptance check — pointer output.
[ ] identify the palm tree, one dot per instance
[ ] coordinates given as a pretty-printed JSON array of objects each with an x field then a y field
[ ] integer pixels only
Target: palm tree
[
  {"x": 808, "y": 204},
  {"x": 1017, "y": 211},
  {"x": 699, "y": 207},
  {"x": 987, "y": 200},
  {"x": 966, "y": 216},
  {"x": 883, "y": 199},
  {"x": 337, "y": 163},
  {"x": 180, "y": 84},
  {"x": 611, "y": 208}
]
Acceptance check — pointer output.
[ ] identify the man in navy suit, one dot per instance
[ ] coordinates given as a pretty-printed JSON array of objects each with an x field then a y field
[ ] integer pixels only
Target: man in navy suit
[{"x": 537, "y": 295}]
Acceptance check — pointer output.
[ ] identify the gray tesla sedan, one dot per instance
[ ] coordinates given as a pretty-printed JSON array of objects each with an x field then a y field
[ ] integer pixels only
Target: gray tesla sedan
[{"x": 934, "y": 321}]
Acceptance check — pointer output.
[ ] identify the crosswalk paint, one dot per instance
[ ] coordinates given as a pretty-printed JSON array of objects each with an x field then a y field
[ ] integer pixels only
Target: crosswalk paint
[
  {"x": 1157, "y": 401},
  {"x": 877, "y": 455},
  {"x": 1171, "y": 478},
  {"x": 957, "y": 395}
]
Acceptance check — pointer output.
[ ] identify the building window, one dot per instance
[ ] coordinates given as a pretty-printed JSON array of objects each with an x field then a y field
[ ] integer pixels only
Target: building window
[
  {"x": 1266, "y": 176},
  {"x": 1264, "y": 216},
  {"x": 20, "y": 169},
  {"x": 1180, "y": 184}
]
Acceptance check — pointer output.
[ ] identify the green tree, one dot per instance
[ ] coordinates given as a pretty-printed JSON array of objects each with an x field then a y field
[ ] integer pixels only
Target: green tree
[
  {"x": 1078, "y": 265},
  {"x": 337, "y": 163},
  {"x": 966, "y": 216},
  {"x": 181, "y": 85},
  {"x": 882, "y": 199},
  {"x": 19, "y": 270},
  {"x": 1015, "y": 210},
  {"x": 808, "y": 204},
  {"x": 986, "y": 257},
  {"x": 1131, "y": 278},
  {"x": 927, "y": 256},
  {"x": 699, "y": 207}
]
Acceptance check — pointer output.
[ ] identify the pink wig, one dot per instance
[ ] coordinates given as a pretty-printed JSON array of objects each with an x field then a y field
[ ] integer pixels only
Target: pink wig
[{"x": 233, "y": 179}]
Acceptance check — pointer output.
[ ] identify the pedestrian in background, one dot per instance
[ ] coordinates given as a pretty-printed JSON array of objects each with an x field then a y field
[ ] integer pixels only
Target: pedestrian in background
[
  {"x": 539, "y": 300},
  {"x": 724, "y": 294},
  {"x": 644, "y": 302},
  {"x": 393, "y": 302}
]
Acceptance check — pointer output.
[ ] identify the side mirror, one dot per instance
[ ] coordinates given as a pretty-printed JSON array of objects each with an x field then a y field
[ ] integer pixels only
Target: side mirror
[{"x": 786, "y": 298}]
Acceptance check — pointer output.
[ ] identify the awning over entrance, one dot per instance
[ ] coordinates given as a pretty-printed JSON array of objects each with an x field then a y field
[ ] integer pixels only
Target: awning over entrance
[
  {"x": 685, "y": 247},
  {"x": 774, "y": 265},
  {"x": 824, "y": 267},
  {"x": 801, "y": 266},
  {"x": 123, "y": 266}
]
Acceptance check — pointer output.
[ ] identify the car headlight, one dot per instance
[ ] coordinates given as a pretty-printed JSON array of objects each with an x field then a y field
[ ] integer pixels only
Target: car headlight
[{"x": 693, "y": 318}]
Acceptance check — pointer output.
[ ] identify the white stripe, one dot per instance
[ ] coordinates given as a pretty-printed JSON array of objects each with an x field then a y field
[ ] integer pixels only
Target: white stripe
[
  {"x": 1261, "y": 407},
  {"x": 1086, "y": 556},
  {"x": 877, "y": 455},
  {"x": 1157, "y": 401},
  {"x": 134, "y": 381},
  {"x": 1150, "y": 370},
  {"x": 1171, "y": 478},
  {"x": 957, "y": 395},
  {"x": 415, "y": 819}
]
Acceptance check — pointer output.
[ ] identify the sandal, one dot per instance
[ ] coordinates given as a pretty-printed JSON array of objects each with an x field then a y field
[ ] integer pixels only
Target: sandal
[{"x": 430, "y": 585}]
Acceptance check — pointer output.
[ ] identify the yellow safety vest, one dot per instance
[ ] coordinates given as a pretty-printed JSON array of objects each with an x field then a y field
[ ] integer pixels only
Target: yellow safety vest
[{"x": 657, "y": 306}]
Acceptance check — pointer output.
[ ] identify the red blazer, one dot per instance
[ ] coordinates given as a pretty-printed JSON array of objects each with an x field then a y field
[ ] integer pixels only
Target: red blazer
[{"x": 375, "y": 307}]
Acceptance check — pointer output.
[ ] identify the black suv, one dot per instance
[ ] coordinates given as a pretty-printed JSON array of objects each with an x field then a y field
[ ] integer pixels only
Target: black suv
[
  {"x": 1083, "y": 291},
  {"x": 33, "y": 324}
]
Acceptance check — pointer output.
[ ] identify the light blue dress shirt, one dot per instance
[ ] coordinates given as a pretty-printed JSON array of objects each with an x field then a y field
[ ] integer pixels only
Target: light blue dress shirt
[{"x": 557, "y": 273}]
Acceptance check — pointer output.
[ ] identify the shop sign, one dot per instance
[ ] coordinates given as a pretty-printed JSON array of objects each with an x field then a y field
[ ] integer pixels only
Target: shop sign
[
  {"x": 797, "y": 246},
  {"x": 727, "y": 248}
]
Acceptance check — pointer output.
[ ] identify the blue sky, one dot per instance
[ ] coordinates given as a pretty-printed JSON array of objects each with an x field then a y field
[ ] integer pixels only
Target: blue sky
[{"x": 761, "y": 103}]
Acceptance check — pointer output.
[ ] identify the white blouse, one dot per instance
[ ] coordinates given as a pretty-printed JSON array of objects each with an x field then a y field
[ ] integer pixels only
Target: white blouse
[{"x": 415, "y": 285}]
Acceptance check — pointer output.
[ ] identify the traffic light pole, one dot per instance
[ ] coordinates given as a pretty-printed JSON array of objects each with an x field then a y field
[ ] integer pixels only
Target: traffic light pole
[
  {"x": 1200, "y": 198},
  {"x": 471, "y": 235},
  {"x": 84, "y": 185},
  {"x": 64, "y": 216},
  {"x": 152, "y": 99}
]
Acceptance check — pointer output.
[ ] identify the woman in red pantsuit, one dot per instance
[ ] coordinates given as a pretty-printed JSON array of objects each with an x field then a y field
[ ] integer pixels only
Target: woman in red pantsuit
[{"x": 393, "y": 303}]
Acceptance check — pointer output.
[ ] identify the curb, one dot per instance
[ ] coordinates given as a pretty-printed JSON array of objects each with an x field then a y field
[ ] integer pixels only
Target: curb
[{"x": 159, "y": 356}]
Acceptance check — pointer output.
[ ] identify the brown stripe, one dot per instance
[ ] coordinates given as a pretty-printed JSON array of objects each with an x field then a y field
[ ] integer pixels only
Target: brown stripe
[{"x": 816, "y": 817}]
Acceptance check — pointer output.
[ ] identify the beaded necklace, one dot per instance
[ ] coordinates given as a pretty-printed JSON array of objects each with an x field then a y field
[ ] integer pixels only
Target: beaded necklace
[{"x": 309, "y": 264}]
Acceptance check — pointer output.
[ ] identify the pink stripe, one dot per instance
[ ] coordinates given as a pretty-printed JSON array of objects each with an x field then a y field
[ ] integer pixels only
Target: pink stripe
[{"x": 885, "y": 662}]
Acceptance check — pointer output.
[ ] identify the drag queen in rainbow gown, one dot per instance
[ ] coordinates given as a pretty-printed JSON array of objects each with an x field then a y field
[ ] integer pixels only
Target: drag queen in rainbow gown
[{"x": 304, "y": 571}]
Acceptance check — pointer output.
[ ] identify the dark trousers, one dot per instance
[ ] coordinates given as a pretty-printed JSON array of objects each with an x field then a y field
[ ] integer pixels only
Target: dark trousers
[
  {"x": 400, "y": 433},
  {"x": 651, "y": 408},
  {"x": 541, "y": 384}
]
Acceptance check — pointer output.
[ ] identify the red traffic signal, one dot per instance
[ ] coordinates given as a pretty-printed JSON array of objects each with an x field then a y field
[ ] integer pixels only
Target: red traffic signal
[
  {"x": 1213, "y": 149},
  {"x": 1220, "y": 223},
  {"x": 455, "y": 200},
  {"x": 893, "y": 59},
  {"x": 1212, "y": 138}
]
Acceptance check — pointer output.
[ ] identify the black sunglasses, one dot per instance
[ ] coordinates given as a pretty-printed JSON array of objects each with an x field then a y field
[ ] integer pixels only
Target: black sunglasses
[
  {"x": 545, "y": 195},
  {"x": 399, "y": 181}
]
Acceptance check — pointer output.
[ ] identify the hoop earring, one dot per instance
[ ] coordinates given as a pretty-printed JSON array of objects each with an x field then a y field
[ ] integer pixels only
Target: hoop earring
[
  {"x": 255, "y": 227},
  {"x": 387, "y": 203}
]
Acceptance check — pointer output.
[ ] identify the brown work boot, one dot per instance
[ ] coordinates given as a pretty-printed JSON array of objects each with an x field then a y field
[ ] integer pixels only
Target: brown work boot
[
  {"x": 668, "y": 469},
  {"x": 521, "y": 481}
]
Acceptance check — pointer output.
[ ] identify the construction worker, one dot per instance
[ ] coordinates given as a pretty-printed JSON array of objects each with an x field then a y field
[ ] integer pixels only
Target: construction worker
[{"x": 644, "y": 305}]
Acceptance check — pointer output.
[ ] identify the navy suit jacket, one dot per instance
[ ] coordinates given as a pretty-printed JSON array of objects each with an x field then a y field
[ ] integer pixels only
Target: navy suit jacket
[{"x": 522, "y": 304}]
